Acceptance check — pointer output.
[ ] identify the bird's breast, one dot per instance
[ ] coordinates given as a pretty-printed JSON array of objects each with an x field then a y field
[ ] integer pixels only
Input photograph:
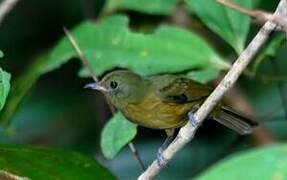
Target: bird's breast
[{"x": 152, "y": 112}]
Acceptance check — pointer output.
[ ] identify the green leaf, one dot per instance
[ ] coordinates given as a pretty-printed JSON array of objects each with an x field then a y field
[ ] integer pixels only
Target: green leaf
[
  {"x": 203, "y": 76},
  {"x": 111, "y": 44},
  {"x": 258, "y": 164},
  {"x": 1, "y": 54},
  {"x": 157, "y": 7},
  {"x": 116, "y": 134},
  {"x": 4, "y": 87},
  {"x": 44, "y": 163},
  {"x": 230, "y": 25}
]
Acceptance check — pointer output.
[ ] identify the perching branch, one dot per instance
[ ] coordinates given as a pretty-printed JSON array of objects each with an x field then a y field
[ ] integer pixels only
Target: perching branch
[
  {"x": 280, "y": 20},
  {"x": 77, "y": 48},
  {"x": 5, "y": 8},
  {"x": 187, "y": 132}
]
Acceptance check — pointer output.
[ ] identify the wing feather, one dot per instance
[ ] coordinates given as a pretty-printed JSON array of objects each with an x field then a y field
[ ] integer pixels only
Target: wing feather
[{"x": 183, "y": 90}]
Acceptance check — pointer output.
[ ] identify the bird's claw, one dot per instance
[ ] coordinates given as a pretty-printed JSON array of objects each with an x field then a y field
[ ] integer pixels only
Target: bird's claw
[
  {"x": 160, "y": 159},
  {"x": 192, "y": 119}
]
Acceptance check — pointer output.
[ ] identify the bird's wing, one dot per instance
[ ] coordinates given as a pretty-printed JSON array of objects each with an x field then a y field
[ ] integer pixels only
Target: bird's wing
[{"x": 183, "y": 90}]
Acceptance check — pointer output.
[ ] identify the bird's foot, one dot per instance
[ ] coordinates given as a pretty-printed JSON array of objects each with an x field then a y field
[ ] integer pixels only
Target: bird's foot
[
  {"x": 192, "y": 119},
  {"x": 160, "y": 159}
]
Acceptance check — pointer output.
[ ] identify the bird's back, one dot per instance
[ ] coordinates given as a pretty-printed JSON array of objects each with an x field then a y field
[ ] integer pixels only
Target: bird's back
[{"x": 167, "y": 103}]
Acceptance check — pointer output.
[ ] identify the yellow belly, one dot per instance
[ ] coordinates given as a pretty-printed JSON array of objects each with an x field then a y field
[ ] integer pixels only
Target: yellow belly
[{"x": 153, "y": 113}]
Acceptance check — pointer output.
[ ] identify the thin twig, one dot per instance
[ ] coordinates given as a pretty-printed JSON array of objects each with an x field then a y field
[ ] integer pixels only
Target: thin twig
[
  {"x": 187, "y": 132},
  {"x": 259, "y": 15},
  {"x": 5, "y": 8},
  {"x": 80, "y": 53},
  {"x": 93, "y": 74},
  {"x": 136, "y": 155}
]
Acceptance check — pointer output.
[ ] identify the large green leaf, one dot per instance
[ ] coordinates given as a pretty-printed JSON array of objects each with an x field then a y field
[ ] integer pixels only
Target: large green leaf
[
  {"x": 4, "y": 87},
  {"x": 230, "y": 25},
  {"x": 44, "y": 163},
  {"x": 257, "y": 164},
  {"x": 110, "y": 44},
  {"x": 145, "y": 6},
  {"x": 116, "y": 134}
]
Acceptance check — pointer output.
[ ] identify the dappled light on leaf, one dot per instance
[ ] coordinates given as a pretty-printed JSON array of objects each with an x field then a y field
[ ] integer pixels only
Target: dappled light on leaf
[{"x": 111, "y": 44}]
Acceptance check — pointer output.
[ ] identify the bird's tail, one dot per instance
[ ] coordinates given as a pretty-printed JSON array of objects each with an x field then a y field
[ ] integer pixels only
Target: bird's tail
[{"x": 235, "y": 121}]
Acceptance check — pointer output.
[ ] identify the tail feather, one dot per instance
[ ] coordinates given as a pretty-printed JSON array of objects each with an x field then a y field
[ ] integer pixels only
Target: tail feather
[{"x": 235, "y": 121}]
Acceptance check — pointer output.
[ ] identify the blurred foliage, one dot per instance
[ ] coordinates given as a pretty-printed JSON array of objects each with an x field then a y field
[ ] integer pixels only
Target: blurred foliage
[
  {"x": 39, "y": 163},
  {"x": 229, "y": 24},
  {"x": 116, "y": 134},
  {"x": 1, "y": 54},
  {"x": 21, "y": 87},
  {"x": 147, "y": 39},
  {"x": 269, "y": 51},
  {"x": 264, "y": 95},
  {"x": 262, "y": 164}
]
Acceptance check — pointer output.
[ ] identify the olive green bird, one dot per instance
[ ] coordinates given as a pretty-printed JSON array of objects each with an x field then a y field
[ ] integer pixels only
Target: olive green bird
[{"x": 164, "y": 102}]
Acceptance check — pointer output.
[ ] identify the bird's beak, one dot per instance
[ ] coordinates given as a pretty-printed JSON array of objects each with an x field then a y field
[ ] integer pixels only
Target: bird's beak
[{"x": 96, "y": 86}]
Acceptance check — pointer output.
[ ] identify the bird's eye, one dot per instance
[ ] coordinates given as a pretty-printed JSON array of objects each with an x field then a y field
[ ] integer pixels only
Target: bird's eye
[{"x": 113, "y": 84}]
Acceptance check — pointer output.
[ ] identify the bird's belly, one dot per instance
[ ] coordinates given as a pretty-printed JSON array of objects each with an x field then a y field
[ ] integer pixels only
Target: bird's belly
[{"x": 153, "y": 113}]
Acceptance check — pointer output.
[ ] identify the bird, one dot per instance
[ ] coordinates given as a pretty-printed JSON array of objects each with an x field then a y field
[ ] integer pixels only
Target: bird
[{"x": 164, "y": 102}]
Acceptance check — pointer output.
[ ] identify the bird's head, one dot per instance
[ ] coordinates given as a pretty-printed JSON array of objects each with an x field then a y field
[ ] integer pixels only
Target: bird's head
[{"x": 121, "y": 87}]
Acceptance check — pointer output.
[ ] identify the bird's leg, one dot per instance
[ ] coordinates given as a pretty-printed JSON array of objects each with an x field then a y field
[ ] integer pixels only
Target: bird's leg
[
  {"x": 160, "y": 160},
  {"x": 192, "y": 119}
]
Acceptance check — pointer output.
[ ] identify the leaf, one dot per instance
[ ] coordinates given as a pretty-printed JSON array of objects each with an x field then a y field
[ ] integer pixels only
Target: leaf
[
  {"x": 44, "y": 163},
  {"x": 1, "y": 54},
  {"x": 203, "y": 76},
  {"x": 116, "y": 134},
  {"x": 229, "y": 24},
  {"x": 262, "y": 164},
  {"x": 4, "y": 87},
  {"x": 157, "y": 7},
  {"x": 111, "y": 44}
]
